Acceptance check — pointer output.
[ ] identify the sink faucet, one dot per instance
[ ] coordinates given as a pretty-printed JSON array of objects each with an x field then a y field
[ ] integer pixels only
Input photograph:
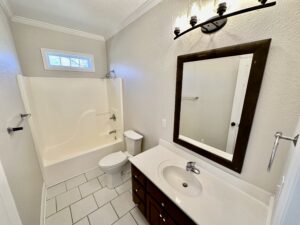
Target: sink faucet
[
  {"x": 113, "y": 132},
  {"x": 190, "y": 166}
]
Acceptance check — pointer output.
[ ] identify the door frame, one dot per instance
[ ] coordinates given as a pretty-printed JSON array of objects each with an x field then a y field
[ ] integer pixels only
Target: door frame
[{"x": 7, "y": 199}]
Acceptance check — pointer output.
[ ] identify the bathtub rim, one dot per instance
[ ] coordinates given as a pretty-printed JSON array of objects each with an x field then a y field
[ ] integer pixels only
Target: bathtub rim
[{"x": 81, "y": 153}]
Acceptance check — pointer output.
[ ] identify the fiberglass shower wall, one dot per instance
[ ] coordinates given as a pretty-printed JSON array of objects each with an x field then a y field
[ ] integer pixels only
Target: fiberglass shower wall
[{"x": 70, "y": 116}]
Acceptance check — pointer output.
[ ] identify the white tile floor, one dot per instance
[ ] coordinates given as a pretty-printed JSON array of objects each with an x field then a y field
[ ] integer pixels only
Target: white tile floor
[{"x": 85, "y": 200}]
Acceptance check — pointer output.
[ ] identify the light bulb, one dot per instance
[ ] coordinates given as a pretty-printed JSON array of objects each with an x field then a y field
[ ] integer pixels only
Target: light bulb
[
  {"x": 181, "y": 22},
  {"x": 195, "y": 11},
  {"x": 231, "y": 4}
]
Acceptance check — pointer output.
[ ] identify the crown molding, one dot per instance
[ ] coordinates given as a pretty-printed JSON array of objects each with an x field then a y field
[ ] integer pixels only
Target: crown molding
[
  {"x": 49, "y": 26},
  {"x": 135, "y": 15},
  {"x": 6, "y": 8}
]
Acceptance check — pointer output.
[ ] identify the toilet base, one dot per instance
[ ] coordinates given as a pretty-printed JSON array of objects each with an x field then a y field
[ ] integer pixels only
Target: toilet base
[{"x": 113, "y": 180}]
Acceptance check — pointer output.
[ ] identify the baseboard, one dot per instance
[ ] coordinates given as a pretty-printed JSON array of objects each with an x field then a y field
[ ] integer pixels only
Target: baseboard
[{"x": 43, "y": 204}]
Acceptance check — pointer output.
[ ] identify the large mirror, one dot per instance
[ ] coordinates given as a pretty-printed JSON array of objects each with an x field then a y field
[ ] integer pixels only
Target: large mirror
[{"x": 216, "y": 96}]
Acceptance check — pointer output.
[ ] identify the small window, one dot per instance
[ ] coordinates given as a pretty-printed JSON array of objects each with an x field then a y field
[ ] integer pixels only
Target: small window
[{"x": 67, "y": 61}]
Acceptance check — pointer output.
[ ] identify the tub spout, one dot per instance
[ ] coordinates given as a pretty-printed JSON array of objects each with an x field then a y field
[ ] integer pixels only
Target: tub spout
[{"x": 113, "y": 132}]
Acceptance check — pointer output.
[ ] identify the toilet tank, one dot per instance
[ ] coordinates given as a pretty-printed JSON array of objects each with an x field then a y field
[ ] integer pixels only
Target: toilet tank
[{"x": 133, "y": 142}]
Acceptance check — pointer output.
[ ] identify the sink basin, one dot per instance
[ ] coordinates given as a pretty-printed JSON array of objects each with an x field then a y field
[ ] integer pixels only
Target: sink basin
[{"x": 182, "y": 181}]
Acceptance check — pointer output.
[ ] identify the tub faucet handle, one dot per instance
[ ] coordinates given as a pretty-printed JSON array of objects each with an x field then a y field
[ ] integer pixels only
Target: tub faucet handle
[{"x": 113, "y": 117}]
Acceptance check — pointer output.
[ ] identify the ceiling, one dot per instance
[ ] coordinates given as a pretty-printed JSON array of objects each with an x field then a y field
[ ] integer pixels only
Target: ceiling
[{"x": 101, "y": 17}]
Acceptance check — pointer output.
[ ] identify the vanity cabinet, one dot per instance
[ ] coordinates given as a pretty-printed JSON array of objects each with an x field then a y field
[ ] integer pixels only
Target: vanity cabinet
[{"x": 154, "y": 204}]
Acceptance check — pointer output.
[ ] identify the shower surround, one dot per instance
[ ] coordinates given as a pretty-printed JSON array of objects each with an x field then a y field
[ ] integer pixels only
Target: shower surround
[{"x": 71, "y": 120}]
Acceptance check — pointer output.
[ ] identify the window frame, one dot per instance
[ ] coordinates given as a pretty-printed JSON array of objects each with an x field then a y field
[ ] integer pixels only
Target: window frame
[{"x": 45, "y": 55}]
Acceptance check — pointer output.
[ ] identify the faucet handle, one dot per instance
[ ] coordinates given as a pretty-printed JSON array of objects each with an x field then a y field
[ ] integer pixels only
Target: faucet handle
[{"x": 191, "y": 164}]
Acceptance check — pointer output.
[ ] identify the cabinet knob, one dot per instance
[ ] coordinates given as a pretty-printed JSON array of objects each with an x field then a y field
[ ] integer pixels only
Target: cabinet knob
[
  {"x": 160, "y": 215},
  {"x": 164, "y": 220},
  {"x": 136, "y": 176},
  {"x": 233, "y": 124},
  {"x": 136, "y": 190},
  {"x": 163, "y": 204}
]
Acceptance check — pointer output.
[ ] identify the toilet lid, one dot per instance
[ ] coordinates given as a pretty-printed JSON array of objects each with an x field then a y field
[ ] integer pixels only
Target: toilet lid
[{"x": 113, "y": 159}]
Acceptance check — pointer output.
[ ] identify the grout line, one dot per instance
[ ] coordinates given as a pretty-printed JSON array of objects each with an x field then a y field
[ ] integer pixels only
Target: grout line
[
  {"x": 133, "y": 216},
  {"x": 96, "y": 201},
  {"x": 56, "y": 208},
  {"x": 71, "y": 214},
  {"x": 51, "y": 213},
  {"x": 102, "y": 187},
  {"x": 114, "y": 210},
  {"x": 79, "y": 220},
  {"x": 85, "y": 176},
  {"x": 56, "y": 184},
  {"x": 88, "y": 218},
  {"x": 122, "y": 218}
]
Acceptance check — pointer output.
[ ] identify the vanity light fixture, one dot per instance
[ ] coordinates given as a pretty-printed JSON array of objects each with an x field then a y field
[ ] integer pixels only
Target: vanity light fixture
[{"x": 217, "y": 22}]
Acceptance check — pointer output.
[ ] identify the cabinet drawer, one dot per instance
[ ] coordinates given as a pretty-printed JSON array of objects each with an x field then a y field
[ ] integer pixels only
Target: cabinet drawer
[
  {"x": 165, "y": 203},
  {"x": 140, "y": 204},
  {"x": 138, "y": 189},
  {"x": 136, "y": 174}
]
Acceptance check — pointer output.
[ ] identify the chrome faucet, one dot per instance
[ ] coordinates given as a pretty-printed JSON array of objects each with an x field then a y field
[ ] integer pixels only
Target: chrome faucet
[
  {"x": 190, "y": 166},
  {"x": 113, "y": 117},
  {"x": 113, "y": 132}
]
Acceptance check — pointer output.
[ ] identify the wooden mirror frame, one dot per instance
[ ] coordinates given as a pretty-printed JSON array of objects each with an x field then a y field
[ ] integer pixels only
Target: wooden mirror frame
[{"x": 260, "y": 50}]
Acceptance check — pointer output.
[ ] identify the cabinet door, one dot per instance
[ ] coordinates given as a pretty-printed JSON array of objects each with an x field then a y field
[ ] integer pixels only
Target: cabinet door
[{"x": 154, "y": 212}]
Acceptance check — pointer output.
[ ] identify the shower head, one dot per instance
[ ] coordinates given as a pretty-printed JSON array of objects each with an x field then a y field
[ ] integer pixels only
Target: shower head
[{"x": 110, "y": 75}]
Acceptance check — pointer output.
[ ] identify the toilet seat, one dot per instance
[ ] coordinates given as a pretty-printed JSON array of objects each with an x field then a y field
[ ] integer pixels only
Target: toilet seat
[{"x": 113, "y": 160}]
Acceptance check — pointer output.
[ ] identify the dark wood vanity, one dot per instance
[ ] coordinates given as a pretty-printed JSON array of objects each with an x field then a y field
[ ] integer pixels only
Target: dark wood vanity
[{"x": 155, "y": 206}]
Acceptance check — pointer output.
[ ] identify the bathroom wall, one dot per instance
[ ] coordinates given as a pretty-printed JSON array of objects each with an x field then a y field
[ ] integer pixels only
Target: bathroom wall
[
  {"x": 29, "y": 41},
  {"x": 17, "y": 153},
  {"x": 144, "y": 55}
]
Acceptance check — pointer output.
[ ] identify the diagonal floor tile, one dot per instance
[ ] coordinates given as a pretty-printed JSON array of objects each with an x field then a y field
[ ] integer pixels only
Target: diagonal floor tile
[
  {"x": 105, "y": 195},
  {"x": 50, "y": 207},
  {"x": 67, "y": 198},
  {"x": 103, "y": 216},
  {"x": 63, "y": 217},
  {"x": 84, "y": 221},
  {"x": 139, "y": 217},
  {"x": 56, "y": 190},
  {"x": 124, "y": 187},
  {"x": 94, "y": 173},
  {"x": 102, "y": 180},
  {"x": 126, "y": 220},
  {"x": 83, "y": 208},
  {"x": 75, "y": 181},
  {"x": 123, "y": 204},
  {"x": 89, "y": 187}
]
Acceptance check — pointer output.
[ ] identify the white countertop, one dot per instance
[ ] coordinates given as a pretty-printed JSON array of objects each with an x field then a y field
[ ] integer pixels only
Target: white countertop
[{"x": 219, "y": 202}]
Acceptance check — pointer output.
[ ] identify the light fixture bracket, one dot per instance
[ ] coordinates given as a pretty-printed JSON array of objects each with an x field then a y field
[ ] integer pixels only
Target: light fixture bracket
[{"x": 213, "y": 26}]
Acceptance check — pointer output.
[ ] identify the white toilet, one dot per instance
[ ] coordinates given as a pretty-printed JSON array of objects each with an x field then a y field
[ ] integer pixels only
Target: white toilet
[{"x": 113, "y": 163}]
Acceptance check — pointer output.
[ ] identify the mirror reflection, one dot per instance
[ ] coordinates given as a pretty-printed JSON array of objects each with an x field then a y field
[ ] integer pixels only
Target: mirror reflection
[{"x": 212, "y": 101}]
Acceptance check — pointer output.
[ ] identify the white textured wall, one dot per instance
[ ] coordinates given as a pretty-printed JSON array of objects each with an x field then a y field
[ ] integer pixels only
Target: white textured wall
[
  {"x": 17, "y": 153},
  {"x": 144, "y": 55},
  {"x": 29, "y": 41},
  {"x": 62, "y": 104}
]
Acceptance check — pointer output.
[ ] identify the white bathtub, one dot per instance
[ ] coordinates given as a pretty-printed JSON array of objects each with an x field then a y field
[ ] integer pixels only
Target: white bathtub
[
  {"x": 63, "y": 162},
  {"x": 70, "y": 122},
  {"x": 76, "y": 148}
]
